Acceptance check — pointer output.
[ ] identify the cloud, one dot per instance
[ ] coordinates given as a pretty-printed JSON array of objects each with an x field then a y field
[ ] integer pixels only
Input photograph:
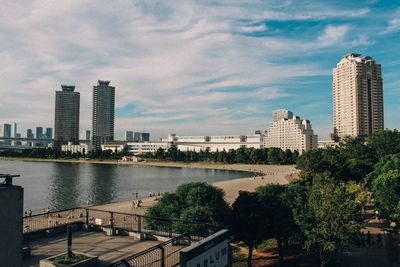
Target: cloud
[
  {"x": 333, "y": 34},
  {"x": 179, "y": 64}
]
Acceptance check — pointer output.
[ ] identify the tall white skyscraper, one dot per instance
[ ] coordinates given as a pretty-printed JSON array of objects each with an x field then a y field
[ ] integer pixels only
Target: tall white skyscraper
[{"x": 357, "y": 97}]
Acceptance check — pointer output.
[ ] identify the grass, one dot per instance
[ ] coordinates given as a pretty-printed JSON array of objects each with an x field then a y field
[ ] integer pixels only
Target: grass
[{"x": 64, "y": 259}]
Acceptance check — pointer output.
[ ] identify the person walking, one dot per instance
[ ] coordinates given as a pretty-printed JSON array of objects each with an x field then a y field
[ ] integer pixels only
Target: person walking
[
  {"x": 379, "y": 240},
  {"x": 369, "y": 239}
]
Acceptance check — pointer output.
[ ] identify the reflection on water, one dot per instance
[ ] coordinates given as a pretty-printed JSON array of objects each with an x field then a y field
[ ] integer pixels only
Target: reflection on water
[{"x": 65, "y": 185}]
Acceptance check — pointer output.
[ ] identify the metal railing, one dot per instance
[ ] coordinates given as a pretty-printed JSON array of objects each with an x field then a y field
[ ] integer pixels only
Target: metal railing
[
  {"x": 116, "y": 220},
  {"x": 51, "y": 220},
  {"x": 165, "y": 254}
]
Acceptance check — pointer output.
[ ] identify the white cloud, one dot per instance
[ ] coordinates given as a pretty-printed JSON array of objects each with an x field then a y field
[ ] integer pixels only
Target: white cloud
[{"x": 177, "y": 61}]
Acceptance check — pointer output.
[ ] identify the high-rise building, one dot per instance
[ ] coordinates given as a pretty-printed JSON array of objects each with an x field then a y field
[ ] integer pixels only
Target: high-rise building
[
  {"x": 39, "y": 132},
  {"x": 357, "y": 97},
  {"x": 291, "y": 133},
  {"x": 128, "y": 136},
  {"x": 5, "y": 131},
  {"x": 49, "y": 133},
  {"x": 140, "y": 137},
  {"x": 103, "y": 113},
  {"x": 145, "y": 137},
  {"x": 29, "y": 133},
  {"x": 280, "y": 114},
  {"x": 66, "y": 119}
]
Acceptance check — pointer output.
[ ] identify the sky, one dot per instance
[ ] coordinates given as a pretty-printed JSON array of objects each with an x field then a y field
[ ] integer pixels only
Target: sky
[{"x": 191, "y": 67}]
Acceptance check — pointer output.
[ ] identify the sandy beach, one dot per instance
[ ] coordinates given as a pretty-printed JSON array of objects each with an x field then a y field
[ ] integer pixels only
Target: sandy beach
[{"x": 259, "y": 175}]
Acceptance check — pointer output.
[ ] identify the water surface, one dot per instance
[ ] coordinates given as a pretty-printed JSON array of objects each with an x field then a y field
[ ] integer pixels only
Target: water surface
[{"x": 56, "y": 185}]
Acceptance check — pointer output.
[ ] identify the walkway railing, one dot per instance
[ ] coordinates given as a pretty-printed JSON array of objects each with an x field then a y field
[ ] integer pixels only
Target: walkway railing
[
  {"x": 163, "y": 255},
  {"x": 116, "y": 220}
]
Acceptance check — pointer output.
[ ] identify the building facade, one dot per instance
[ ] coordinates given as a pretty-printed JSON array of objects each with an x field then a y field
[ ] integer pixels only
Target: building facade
[
  {"x": 5, "y": 131},
  {"x": 139, "y": 148},
  {"x": 103, "y": 113},
  {"x": 129, "y": 136},
  {"x": 66, "y": 122},
  {"x": 215, "y": 143},
  {"x": 291, "y": 133},
  {"x": 73, "y": 148},
  {"x": 280, "y": 114},
  {"x": 357, "y": 97}
]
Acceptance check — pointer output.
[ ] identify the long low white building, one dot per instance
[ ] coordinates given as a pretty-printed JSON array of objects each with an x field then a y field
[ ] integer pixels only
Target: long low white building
[
  {"x": 215, "y": 143},
  {"x": 138, "y": 148}
]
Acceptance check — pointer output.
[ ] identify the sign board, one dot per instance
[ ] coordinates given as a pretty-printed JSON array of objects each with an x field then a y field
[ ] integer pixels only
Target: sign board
[{"x": 212, "y": 251}]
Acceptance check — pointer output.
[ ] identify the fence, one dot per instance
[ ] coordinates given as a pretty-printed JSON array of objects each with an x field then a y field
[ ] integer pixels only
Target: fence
[
  {"x": 163, "y": 255},
  {"x": 116, "y": 220},
  {"x": 50, "y": 220}
]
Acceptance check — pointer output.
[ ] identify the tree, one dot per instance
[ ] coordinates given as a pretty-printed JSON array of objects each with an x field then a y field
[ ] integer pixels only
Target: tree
[
  {"x": 327, "y": 214},
  {"x": 247, "y": 222},
  {"x": 386, "y": 190},
  {"x": 277, "y": 214},
  {"x": 193, "y": 202},
  {"x": 385, "y": 142}
]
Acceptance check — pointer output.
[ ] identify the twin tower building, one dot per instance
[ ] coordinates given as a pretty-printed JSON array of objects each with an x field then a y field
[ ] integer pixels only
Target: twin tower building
[{"x": 67, "y": 108}]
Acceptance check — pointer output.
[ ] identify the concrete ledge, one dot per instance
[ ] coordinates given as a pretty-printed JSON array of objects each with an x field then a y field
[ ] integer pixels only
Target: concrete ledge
[{"x": 91, "y": 261}]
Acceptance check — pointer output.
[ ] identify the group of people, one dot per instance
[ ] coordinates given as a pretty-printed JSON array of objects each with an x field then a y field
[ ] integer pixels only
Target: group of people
[
  {"x": 136, "y": 203},
  {"x": 370, "y": 242}
]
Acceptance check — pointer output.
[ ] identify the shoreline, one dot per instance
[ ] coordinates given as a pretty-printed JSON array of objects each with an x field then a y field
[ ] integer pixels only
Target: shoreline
[{"x": 259, "y": 175}]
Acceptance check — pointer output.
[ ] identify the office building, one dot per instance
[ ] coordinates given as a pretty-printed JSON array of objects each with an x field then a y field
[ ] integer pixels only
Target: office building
[
  {"x": 39, "y": 132},
  {"x": 291, "y": 133},
  {"x": 66, "y": 119},
  {"x": 128, "y": 136},
  {"x": 141, "y": 137},
  {"x": 49, "y": 133},
  {"x": 29, "y": 133},
  {"x": 5, "y": 131},
  {"x": 103, "y": 113},
  {"x": 357, "y": 97}
]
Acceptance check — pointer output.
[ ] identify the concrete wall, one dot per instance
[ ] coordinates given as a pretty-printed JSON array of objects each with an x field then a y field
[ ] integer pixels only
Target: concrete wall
[{"x": 11, "y": 210}]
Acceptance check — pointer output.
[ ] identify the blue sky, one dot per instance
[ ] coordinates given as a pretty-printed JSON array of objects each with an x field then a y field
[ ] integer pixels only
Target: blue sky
[{"x": 192, "y": 67}]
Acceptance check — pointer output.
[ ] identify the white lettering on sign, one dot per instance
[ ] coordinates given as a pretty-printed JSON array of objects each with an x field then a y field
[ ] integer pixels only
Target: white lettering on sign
[{"x": 216, "y": 256}]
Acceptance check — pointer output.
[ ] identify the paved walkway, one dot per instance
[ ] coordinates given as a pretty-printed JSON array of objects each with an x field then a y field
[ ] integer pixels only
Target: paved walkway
[
  {"x": 108, "y": 248},
  {"x": 372, "y": 255}
]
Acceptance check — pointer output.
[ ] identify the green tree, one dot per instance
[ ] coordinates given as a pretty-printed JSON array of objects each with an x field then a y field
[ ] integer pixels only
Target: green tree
[
  {"x": 386, "y": 190},
  {"x": 277, "y": 214},
  {"x": 193, "y": 202},
  {"x": 385, "y": 142},
  {"x": 327, "y": 214},
  {"x": 248, "y": 223}
]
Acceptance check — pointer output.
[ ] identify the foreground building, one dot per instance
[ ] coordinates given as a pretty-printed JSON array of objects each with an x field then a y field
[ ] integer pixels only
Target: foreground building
[
  {"x": 66, "y": 119},
  {"x": 290, "y": 132},
  {"x": 357, "y": 97},
  {"x": 103, "y": 113}
]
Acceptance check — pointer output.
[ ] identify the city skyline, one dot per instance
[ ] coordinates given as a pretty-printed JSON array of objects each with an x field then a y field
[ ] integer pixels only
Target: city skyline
[{"x": 219, "y": 71}]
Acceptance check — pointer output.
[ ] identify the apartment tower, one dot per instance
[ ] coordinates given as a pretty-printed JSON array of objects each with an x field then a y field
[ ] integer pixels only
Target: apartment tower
[
  {"x": 66, "y": 122},
  {"x": 103, "y": 113},
  {"x": 290, "y": 132},
  {"x": 357, "y": 97}
]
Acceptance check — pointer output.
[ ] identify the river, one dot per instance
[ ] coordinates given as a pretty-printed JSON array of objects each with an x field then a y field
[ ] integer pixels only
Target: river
[{"x": 56, "y": 186}]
